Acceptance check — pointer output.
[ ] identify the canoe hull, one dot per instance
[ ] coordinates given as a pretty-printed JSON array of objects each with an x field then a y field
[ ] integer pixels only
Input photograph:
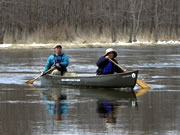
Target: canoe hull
[{"x": 118, "y": 80}]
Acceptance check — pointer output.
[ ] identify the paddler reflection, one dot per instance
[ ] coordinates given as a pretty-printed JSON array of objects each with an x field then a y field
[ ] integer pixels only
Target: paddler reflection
[
  {"x": 59, "y": 107},
  {"x": 109, "y": 109},
  {"x": 56, "y": 104}
]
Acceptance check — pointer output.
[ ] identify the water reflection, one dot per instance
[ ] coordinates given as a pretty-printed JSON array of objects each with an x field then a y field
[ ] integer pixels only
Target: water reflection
[
  {"x": 55, "y": 103},
  {"x": 108, "y": 109},
  {"x": 59, "y": 107},
  {"x": 58, "y": 100},
  {"x": 141, "y": 92}
]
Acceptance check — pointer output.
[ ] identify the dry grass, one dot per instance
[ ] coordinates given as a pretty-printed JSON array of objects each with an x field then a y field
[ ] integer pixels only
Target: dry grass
[{"x": 67, "y": 34}]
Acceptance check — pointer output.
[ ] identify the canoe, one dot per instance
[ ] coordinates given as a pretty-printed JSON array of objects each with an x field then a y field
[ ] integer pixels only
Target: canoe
[{"x": 118, "y": 80}]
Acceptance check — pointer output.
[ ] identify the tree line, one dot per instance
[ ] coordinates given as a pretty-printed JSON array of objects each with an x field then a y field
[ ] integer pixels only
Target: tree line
[{"x": 44, "y": 21}]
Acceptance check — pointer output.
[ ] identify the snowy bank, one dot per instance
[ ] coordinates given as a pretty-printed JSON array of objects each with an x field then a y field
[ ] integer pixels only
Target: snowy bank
[{"x": 88, "y": 45}]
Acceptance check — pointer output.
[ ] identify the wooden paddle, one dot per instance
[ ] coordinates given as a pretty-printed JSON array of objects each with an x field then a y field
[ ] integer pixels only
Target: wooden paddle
[
  {"x": 31, "y": 81},
  {"x": 139, "y": 82}
]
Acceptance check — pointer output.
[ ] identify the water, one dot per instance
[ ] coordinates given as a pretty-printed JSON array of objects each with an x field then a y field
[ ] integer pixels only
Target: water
[{"x": 37, "y": 110}]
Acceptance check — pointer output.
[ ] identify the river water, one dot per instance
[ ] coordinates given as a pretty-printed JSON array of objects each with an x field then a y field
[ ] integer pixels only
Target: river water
[{"x": 36, "y": 110}]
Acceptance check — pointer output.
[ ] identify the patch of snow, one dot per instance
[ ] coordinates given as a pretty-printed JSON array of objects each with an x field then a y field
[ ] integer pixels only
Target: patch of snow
[
  {"x": 34, "y": 44},
  {"x": 5, "y": 45},
  {"x": 123, "y": 43},
  {"x": 89, "y": 45},
  {"x": 169, "y": 42}
]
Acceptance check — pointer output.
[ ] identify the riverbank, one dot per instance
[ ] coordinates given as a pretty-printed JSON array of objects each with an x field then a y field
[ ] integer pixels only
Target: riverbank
[{"x": 89, "y": 45}]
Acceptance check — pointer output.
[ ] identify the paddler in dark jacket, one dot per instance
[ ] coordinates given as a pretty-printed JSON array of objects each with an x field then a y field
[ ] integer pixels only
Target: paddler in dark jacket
[
  {"x": 58, "y": 60},
  {"x": 105, "y": 66}
]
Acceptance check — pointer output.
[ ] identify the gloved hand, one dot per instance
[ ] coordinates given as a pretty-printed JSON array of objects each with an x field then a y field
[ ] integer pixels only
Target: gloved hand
[
  {"x": 42, "y": 73},
  {"x": 58, "y": 66}
]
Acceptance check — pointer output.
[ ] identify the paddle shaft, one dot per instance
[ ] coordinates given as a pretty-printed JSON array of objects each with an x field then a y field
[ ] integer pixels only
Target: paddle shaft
[
  {"x": 31, "y": 81},
  {"x": 48, "y": 71},
  {"x": 45, "y": 72},
  {"x": 117, "y": 64}
]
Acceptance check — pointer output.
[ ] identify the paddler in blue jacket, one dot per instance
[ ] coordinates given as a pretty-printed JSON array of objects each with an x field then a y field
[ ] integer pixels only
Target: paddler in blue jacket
[
  {"x": 105, "y": 66},
  {"x": 58, "y": 60}
]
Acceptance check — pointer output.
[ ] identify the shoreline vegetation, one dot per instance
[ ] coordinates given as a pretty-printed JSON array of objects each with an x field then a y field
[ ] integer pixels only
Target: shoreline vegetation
[{"x": 68, "y": 45}]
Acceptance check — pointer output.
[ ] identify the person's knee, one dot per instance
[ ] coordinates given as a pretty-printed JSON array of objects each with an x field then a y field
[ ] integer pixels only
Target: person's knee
[
  {"x": 70, "y": 74},
  {"x": 56, "y": 72}
]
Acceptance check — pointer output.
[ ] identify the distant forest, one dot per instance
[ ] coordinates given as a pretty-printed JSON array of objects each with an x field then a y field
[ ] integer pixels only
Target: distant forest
[{"x": 48, "y": 21}]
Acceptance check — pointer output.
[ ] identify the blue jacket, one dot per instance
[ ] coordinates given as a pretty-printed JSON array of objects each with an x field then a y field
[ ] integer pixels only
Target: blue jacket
[
  {"x": 51, "y": 60},
  {"x": 102, "y": 63}
]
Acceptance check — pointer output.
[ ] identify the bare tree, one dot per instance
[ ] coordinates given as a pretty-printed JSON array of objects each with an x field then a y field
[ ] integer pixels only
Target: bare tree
[
  {"x": 156, "y": 19},
  {"x": 135, "y": 14},
  {"x": 64, "y": 20},
  {"x": 2, "y": 20}
]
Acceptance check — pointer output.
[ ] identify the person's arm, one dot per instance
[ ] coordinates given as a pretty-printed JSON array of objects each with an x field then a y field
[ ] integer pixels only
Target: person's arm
[
  {"x": 102, "y": 62},
  {"x": 117, "y": 69},
  {"x": 65, "y": 61},
  {"x": 48, "y": 64}
]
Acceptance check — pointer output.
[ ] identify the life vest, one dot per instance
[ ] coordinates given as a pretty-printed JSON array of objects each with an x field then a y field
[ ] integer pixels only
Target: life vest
[
  {"x": 57, "y": 59},
  {"x": 109, "y": 69}
]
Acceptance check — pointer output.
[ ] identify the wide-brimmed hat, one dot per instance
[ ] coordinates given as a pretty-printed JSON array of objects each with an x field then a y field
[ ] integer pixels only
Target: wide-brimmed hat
[
  {"x": 57, "y": 46},
  {"x": 110, "y": 50}
]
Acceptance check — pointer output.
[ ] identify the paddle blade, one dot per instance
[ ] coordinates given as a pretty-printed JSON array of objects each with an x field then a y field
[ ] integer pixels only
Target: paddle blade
[
  {"x": 143, "y": 84},
  {"x": 141, "y": 92},
  {"x": 30, "y": 81}
]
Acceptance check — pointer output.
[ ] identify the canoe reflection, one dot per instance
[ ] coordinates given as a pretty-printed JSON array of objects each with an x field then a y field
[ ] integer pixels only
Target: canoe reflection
[{"x": 107, "y": 100}]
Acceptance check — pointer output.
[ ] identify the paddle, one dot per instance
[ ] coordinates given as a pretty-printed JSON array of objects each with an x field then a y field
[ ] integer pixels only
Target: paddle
[
  {"x": 139, "y": 82},
  {"x": 31, "y": 81}
]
